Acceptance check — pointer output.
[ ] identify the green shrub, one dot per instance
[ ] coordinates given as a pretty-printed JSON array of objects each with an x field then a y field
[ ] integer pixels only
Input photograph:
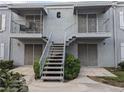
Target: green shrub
[
  {"x": 36, "y": 67},
  {"x": 12, "y": 82},
  {"x": 72, "y": 67},
  {"x": 121, "y": 65},
  {"x": 6, "y": 64}
]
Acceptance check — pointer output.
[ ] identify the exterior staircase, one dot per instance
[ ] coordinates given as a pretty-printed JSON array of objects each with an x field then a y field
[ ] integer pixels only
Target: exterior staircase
[
  {"x": 70, "y": 40},
  {"x": 54, "y": 66}
]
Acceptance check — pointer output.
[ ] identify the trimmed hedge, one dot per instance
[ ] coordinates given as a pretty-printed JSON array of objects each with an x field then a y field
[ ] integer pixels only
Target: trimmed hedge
[
  {"x": 72, "y": 67},
  {"x": 6, "y": 64},
  {"x": 36, "y": 67},
  {"x": 121, "y": 65}
]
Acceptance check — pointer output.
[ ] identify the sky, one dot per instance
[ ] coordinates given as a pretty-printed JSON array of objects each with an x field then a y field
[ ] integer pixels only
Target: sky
[{"x": 28, "y": 1}]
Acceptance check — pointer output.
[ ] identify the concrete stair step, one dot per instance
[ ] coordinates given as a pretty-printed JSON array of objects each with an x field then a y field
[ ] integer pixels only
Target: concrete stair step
[
  {"x": 54, "y": 59},
  {"x": 55, "y": 56},
  {"x": 57, "y": 45},
  {"x": 52, "y": 77},
  {"x": 52, "y": 72},
  {"x": 53, "y": 63},
  {"x": 49, "y": 67},
  {"x": 56, "y": 50}
]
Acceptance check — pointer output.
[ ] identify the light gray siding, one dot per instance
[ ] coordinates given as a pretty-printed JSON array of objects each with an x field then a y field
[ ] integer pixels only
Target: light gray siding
[
  {"x": 58, "y": 25},
  {"x": 4, "y": 35}
]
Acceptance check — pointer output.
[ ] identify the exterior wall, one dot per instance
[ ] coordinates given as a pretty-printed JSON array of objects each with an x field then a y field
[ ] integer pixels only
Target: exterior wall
[
  {"x": 119, "y": 32},
  {"x": 4, "y": 36},
  {"x": 59, "y": 25},
  {"x": 17, "y": 52}
]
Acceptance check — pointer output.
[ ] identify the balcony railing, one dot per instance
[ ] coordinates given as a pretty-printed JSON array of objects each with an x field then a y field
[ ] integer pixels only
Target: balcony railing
[
  {"x": 27, "y": 26},
  {"x": 102, "y": 29},
  {"x": 98, "y": 26}
]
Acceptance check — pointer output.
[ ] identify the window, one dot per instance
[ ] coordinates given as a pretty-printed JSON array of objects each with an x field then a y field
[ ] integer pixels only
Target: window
[
  {"x": 58, "y": 14},
  {"x": 1, "y": 51},
  {"x": 122, "y": 51},
  {"x": 121, "y": 20},
  {"x": 2, "y": 22}
]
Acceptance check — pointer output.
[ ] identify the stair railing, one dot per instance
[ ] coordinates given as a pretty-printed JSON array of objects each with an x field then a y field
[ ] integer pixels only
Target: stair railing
[
  {"x": 64, "y": 53},
  {"x": 45, "y": 53},
  {"x": 68, "y": 32}
]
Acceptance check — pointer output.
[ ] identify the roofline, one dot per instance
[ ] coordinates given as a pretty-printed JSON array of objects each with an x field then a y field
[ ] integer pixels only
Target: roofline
[{"x": 45, "y": 4}]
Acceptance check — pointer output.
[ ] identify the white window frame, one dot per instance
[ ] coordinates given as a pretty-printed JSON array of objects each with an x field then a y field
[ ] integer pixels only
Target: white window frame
[
  {"x": 3, "y": 23},
  {"x": 121, "y": 14},
  {"x": 2, "y": 46},
  {"x": 87, "y": 29}
]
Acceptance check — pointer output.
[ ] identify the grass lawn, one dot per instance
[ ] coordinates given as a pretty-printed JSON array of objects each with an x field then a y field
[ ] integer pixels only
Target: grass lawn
[{"x": 115, "y": 81}]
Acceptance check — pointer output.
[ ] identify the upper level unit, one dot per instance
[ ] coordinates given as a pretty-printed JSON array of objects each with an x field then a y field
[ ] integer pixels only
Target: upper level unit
[
  {"x": 90, "y": 19},
  {"x": 27, "y": 20},
  {"x": 94, "y": 19}
]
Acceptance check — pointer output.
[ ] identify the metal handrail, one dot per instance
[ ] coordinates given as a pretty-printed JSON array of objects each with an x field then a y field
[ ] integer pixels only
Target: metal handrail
[
  {"x": 66, "y": 29},
  {"x": 69, "y": 26},
  {"x": 64, "y": 49},
  {"x": 99, "y": 31},
  {"x": 45, "y": 53}
]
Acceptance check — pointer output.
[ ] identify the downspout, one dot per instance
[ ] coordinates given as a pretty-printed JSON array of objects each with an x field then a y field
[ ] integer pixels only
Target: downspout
[
  {"x": 115, "y": 34},
  {"x": 9, "y": 35}
]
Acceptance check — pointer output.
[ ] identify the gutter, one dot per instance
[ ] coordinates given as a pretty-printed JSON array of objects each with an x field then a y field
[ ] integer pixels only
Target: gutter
[{"x": 115, "y": 34}]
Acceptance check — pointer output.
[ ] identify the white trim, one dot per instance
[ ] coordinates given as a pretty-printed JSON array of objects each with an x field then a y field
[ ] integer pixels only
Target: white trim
[
  {"x": 2, "y": 51},
  {"x": 87, "y": 23},
  {"x": 33, "y": 54},
  {"x": 97, "y": 23},
  {"x": 77, "y": 21},
  {"x": 59, "y": 7},
  {"x": 121, "y": 19},
  {"x": 122, "y": 51},
  {"x": 3, "y": 21}
]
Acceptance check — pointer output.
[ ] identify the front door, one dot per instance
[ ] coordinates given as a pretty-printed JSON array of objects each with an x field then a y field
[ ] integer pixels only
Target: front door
[{"x": 87, "y": 54}]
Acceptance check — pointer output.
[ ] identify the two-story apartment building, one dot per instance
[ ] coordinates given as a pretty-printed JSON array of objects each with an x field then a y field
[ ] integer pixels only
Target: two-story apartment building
[{"x": 91, "y": 31}]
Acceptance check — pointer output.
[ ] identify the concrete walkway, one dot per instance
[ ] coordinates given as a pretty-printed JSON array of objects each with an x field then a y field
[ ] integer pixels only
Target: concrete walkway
[
  {"x": 92, "y": 71},
  {"x": 81, "y": 83}
]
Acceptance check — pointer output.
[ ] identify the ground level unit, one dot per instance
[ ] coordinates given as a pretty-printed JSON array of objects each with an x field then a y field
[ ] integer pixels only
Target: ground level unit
[{"x": 91, "y": 52}]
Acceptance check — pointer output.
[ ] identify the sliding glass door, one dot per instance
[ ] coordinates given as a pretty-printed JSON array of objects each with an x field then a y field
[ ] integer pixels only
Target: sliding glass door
[{"x": 87, "y": 23}]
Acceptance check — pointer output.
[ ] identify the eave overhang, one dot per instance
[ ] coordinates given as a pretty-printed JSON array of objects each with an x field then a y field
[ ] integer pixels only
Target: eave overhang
[
  {"x": 99, "y": 7},
  {"x": 22, "y": 8}
]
